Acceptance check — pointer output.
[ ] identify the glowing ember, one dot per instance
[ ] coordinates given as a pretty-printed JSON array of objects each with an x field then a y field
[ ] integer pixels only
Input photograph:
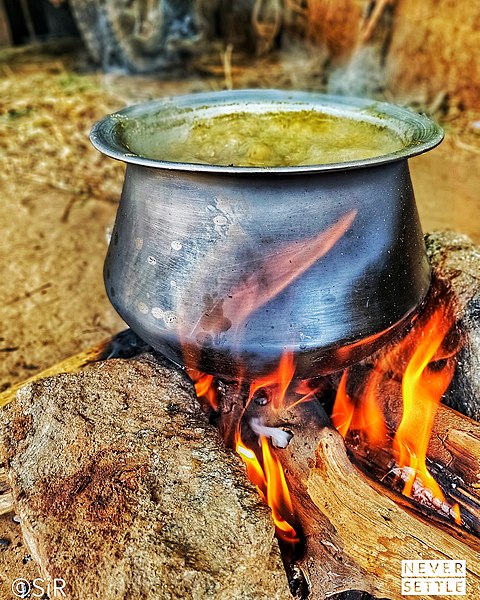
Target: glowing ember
[
  {"x": 271, "y": 485},
  {"x": 456, "y": 514}
]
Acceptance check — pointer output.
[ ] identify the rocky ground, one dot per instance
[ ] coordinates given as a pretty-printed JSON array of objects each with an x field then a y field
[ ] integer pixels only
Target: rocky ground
[{"x": 132, "y": 493}]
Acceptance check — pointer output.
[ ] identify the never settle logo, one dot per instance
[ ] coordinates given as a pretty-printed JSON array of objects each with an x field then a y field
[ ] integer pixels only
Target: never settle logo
[{"x": 434, "y": 577}]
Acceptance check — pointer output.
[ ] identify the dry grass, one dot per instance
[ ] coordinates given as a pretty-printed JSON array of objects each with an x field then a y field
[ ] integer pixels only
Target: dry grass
[
  {"x": 44, "y": 125},
  {"x": 47, "y": 110}
]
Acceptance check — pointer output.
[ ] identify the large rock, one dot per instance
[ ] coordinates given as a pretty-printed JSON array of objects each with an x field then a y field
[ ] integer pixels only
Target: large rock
[
  {"x": 125, "y": 490},
  {"x": 455, "y": 261}
]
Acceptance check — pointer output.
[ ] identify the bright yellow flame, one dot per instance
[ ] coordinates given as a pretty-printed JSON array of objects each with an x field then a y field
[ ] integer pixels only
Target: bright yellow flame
[
  {"x": 423, "y": 386},
  {"x": 271, "y": 485},
  {"x": 422, "y": 390},
  {"x": 278, "y": 495},
  {"x": 254, "y": 469},
  {"x": 456, "y": 514}
]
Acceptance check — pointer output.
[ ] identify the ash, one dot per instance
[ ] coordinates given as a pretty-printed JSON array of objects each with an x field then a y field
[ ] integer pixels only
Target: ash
[
  {"x": 279, "y": 437},
  {"x": 422, "y": 494}
]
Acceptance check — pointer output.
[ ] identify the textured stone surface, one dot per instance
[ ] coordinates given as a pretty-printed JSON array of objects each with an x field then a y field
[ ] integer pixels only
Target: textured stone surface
[
  {"x": 125, "y": 491},
  {"x": 456, "y": 261}
]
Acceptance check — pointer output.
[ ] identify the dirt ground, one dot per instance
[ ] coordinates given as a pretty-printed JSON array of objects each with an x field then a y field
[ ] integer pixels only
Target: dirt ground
[{"x": 59, "y": 197}]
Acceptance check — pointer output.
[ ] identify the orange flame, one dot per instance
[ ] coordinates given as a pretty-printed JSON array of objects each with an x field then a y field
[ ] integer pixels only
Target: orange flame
[
  {"x": 306, "y": 392},
  {"x": 344, "y": 408},
  {"x": 275, "y": 383},
  {"x": 254, "y": 470},
  {"x": 422, "y": 390},
  {"x": 271, "y": 485},
  {"x": 365, "y": 416},
  {"x": 204, "y": 387},
  {"x": 424, "y": 381},
  {"x": 269, "y": 478}
]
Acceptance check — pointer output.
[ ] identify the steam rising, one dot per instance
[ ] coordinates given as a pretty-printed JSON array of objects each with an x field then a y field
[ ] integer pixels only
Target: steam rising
[{"x": 363, "y": 76}]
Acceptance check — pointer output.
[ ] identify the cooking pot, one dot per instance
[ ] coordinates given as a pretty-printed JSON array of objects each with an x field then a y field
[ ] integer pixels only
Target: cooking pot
[{"x": 227, "y": 268}]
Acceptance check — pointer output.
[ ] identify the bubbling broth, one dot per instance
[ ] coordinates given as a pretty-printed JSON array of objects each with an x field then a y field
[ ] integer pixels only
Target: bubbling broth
[{"x": 271, "y": 139}]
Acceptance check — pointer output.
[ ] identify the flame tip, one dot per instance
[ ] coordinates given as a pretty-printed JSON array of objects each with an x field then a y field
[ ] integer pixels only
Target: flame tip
[{"x": 421, "y": 390}]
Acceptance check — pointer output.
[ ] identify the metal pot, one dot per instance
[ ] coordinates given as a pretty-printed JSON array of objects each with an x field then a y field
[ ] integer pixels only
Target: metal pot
[{"x": 226, "y": 268}]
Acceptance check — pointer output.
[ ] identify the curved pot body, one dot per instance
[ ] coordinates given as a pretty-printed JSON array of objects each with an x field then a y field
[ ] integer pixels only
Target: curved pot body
[
  {"x": 221, "y": 271},
  {"x": 225, "y": 271}
]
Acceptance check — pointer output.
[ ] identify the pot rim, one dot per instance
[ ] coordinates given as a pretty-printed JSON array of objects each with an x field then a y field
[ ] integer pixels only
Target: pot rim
[{"x": 417, "y": 131}]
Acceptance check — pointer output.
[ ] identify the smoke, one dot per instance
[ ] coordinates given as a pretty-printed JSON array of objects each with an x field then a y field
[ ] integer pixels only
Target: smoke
[
  {"x": 364, "y": 75},
  {"x": 137, "y": 37},
  {"x": 365, "y": 72},
  {"x": 323, "y": 45}
]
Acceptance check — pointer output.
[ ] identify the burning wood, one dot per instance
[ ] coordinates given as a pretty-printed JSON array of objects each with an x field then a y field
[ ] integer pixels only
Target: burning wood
[
  {"x": 414, "y": 360},
  {"x": 340, "y": 530},
  {"x": 325, "y": 490},
  {"x": 420, "y": 366}
]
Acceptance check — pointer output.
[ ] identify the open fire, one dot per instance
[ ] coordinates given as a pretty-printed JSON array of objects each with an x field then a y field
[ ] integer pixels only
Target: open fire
[
  {"x": 423, "y": 361},
  {"x": 269, "y": 478},
  {"x": 425, "y": 367},
  {"x": 313, "y": 265},
  {"x": 263, "y": 467}
]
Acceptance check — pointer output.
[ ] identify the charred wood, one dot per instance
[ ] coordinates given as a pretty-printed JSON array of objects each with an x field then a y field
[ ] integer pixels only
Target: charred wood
[{"x": 357, "y": 525}]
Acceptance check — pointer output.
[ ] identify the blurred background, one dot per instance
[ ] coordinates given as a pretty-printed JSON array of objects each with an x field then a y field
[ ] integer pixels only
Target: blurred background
[{"x": 65, "y": 64}]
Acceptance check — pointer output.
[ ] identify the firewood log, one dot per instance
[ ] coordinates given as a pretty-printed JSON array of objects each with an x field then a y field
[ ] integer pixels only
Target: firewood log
[
  {"x": 125, "y": 344},
  {"x": 356, "y": 528}
]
